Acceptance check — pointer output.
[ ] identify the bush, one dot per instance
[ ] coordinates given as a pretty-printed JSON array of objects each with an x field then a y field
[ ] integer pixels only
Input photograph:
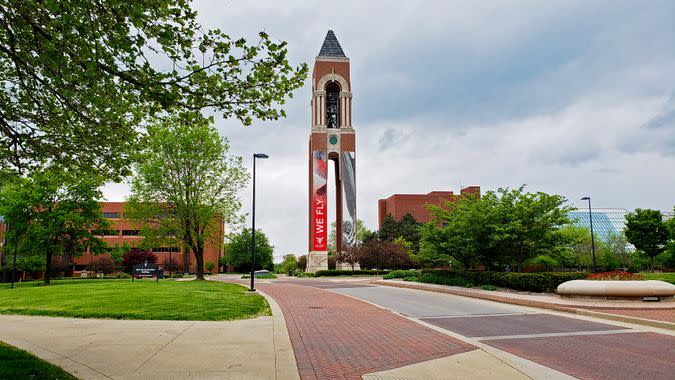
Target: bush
[
  {"x": 209, "y": 265},
  {"x": 171, "y": 266},
  {"x": 122, "y": 275},
  {"x": 137, "y": 256},
  {"x": 261, "y": 276},
  {"x": 400, "y": 274},
  {"x": 177, "y": 275},
  {"x": 301, "y": 274},
  {"x": 410, "y": 278},
  {"x": 335, "y": 272},
  {"x": 533, "y": 282},
  {"x": 488, "y": 287},
  {"x": 615, "y": 276},
  {"x": 103, "y": 264}
]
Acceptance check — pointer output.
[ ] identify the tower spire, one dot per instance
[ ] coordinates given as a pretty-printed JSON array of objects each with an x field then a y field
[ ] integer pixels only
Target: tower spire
[{"x": 331, "y": 47}]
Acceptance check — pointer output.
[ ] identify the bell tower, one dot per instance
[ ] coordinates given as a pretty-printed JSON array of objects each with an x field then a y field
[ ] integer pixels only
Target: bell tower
[{"x": 332, "y": 138}]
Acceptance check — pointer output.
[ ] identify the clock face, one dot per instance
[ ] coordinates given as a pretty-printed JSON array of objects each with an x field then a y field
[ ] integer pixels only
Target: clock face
[{"x": 333, "y": 139}]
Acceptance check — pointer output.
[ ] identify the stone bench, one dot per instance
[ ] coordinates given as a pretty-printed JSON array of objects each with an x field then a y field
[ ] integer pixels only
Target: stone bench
[{"x": 641, "y": 290}]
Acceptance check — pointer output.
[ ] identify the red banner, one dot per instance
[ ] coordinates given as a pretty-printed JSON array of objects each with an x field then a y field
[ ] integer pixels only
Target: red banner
[{"x": 319, "y": 216}]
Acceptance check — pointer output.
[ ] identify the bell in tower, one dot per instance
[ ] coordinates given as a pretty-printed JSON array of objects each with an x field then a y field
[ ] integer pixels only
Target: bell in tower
[{"x": 332, "y": 138}]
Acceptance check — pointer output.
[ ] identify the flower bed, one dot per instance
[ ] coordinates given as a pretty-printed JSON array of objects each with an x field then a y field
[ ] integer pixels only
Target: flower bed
[{"x": 615, "y": 276}]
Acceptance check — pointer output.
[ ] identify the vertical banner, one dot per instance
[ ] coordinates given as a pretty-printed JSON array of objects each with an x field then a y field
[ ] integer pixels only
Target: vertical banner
[
  {"x": 348, "y": 161},
  {"x": 319, "y": 214}
]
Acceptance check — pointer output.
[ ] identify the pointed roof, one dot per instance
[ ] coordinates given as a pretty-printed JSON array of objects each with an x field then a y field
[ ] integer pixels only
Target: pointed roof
[{"x": 331, "y": 47}]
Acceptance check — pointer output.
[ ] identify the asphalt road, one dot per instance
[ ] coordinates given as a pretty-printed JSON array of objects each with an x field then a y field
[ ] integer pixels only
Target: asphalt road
[{"x": 420, "y": 304}]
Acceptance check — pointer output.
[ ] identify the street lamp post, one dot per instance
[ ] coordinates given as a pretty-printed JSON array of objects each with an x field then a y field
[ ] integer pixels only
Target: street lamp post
[
  {"x": 262, "y": 156},
  {"x": 590, "y": 216}
]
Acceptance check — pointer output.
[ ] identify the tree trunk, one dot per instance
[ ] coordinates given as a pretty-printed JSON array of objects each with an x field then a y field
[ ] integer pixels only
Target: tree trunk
[
  {"x": 186, "y": 259},
  {"x": 48, "y": 268},
  {"x": 199, "y": 257}
]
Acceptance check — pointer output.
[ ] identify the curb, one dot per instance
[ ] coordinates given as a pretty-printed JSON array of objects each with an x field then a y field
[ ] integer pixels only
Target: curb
[{"x": 531, "y": 303}]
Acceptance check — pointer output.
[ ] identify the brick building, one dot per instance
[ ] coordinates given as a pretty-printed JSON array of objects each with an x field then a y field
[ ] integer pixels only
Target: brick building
[
  {"x": 400, "y": 204},
  {"x": 125, "y": 231}
]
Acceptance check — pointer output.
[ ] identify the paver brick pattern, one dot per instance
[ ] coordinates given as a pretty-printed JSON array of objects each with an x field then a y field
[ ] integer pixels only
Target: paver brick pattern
[
  {"x": 664, "y": 315},
  {"x": 610, "y": 356},
  {"x": 500, "y": 325},
  {"x": 339, "y": 337}
]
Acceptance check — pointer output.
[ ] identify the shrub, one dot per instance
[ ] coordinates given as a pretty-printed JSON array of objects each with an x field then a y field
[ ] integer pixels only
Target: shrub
[
  {"x": 171, "y": 266},
  {"x": 122, "y": 275},
  {"x": 301, "y": 274},
  {"x": 177, "y": 275},
  {"x": 335, "y": 272},
  {"x": 103, "y": 264},
  {"x": 410, "y": 278},
  {"x": 533, "y": 282},
  {"x": 615, "y": 275},
  {"x": 137, "y": 256},
  {"x": 400, "y": 274},
  {"x": 469, "y": 285},
  {"x": 262, "y": 276},
  {"x": 488, "y": 287},
  {"x": 209, "y": 265}
]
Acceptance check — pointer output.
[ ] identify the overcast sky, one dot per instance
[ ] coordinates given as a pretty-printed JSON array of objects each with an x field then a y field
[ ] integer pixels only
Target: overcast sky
[{"x": 573, "y": 98}]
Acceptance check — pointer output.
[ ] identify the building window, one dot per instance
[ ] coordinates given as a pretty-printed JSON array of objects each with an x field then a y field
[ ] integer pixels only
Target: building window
[
  {"x": 165, "y": 249},
  {"x": 130, "y": 232},
  {"x": 111, "y": 215},
  {"x": 106, "y": 232}
]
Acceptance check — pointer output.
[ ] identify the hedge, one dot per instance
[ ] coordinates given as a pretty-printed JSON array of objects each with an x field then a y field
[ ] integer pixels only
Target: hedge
[
  {"x": 533, "y": 282},
  {"x": 401, "y": 274},
  {"x": 338, "y": 272}
]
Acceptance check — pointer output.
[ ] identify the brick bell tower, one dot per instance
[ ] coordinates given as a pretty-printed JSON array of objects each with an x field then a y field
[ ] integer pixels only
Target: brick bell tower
[{"x": 332, "y": 138}]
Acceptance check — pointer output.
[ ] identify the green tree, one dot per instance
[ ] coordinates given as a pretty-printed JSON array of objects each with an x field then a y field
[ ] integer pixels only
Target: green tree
[
  {"x": 186, "y": 185},
  {"x": 574, "y": 247},
  {"x": 647, "y": 232},
  {"x": 52, "y": 214},
  {"x": 288, "y": 264},
  {"x": 527, "y": 224},
  {"x": 618, "y": 246},
  {"x": 238, "y": 250},
  {"x": 407, "y": 228},
  {"x": 431, "y": 254},
  {"x": 82, "y": 77}
]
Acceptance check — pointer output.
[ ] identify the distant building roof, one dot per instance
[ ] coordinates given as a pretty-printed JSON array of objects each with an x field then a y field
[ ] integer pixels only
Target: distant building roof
[{"x": 331, "y": 47}]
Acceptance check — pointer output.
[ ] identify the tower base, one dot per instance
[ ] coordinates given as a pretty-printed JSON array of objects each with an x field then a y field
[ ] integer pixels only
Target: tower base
[
  {"x": 317, "y": 260},
  {"x": 345, "y": 266}
]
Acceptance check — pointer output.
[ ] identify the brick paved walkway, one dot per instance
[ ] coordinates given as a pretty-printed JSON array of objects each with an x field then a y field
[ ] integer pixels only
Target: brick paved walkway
[
  {"x": 612, "y": 356},
  {"x": 339, "y": 337},
  {"x": 663, "y": 315}
]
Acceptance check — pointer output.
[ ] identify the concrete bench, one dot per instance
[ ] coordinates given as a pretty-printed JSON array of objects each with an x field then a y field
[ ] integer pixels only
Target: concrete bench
[{"x": 651, "y": 290}]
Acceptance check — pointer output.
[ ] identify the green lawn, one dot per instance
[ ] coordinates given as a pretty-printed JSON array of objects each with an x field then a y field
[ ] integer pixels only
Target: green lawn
[
  {"x": 667, "y": 277},
  {"x": 122, "y": 299},
  {"x": 19, "y": 364}
]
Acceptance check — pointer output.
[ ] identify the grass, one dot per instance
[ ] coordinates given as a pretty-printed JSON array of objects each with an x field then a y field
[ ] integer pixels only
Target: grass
[
  {"x": 145, "y": 299},
  {"x": 667, "y": 277},
  {"x": 19, "y": 364}
]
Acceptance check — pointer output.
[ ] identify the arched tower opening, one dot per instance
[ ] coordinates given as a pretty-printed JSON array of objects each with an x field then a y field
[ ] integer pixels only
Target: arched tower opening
[{"x": 333, "y": 105}]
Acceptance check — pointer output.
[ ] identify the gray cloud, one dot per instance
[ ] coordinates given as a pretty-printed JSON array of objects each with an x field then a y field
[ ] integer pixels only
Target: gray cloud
[{"x": 570, "y": 97}]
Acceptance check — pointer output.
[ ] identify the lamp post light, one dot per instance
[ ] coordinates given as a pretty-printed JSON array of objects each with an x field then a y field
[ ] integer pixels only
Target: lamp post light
[
  {"x": 590, "y": 216},
  {"x": 262, "y": 156}
]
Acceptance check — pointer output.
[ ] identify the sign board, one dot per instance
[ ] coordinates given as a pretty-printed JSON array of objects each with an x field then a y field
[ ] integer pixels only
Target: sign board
[{"x": 146, "y": 270}]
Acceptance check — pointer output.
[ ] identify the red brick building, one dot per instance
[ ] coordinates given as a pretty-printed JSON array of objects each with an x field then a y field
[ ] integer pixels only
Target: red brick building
[
  {"x": 125, "y": 231},
  {"x": 400, "y": 204}
]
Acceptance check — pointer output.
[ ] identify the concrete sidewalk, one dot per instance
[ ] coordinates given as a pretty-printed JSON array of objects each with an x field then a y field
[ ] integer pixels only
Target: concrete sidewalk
[
  {"x": 122, "y": 349},
  {"x": 657, "y": 314}
]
